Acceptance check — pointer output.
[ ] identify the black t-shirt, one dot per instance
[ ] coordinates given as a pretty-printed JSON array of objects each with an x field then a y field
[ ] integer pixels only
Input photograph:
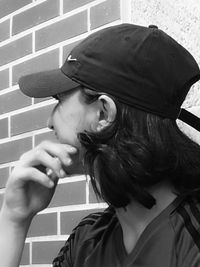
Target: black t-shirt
[{"x": 172, "y": 239}]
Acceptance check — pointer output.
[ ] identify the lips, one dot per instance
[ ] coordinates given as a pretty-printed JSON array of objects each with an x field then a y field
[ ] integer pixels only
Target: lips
[{"x": 57, "y": 140}]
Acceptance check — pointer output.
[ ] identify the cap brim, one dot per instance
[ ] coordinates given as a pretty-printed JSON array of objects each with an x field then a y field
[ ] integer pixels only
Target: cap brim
[{"x": 47, "y": 83}]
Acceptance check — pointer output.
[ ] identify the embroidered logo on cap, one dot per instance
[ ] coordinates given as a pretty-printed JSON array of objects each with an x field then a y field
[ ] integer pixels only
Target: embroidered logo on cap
[{"x": 71, "y": 59}]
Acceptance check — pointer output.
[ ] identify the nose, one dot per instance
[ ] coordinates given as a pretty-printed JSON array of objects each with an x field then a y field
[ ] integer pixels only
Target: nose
[{"x": 50, "y": 122}]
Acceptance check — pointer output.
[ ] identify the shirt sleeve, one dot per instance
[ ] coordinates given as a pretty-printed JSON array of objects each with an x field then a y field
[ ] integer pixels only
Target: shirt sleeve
[
  {"x": 192, "y": 259},
  {"x": 70, "y": 251},
  {"x": 82, "y": 239},
  {"x": 65, "y": 256}
]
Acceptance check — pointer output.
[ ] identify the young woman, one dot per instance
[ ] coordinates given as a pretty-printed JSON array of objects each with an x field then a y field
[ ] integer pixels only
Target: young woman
[{"x": 119, "y": 94}]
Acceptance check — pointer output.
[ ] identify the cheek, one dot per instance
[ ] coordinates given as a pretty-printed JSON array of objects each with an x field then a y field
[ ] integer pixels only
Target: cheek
[
  {"x": 90, "y": 120},
  {"x": 82, "y": 120},
  {"x": 68, "y": 136},
  {"x": 69, "y": 123},
  {"x": 64, "y": 129}
]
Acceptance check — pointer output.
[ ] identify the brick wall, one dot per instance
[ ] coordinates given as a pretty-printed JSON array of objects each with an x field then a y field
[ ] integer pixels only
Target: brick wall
[
  {"x": 37, "y": 35},
  {"x": 181, "y": 20}
]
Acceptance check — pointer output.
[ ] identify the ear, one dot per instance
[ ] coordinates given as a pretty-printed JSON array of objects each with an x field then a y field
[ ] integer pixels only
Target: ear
[{"x": 106, "y": 113}]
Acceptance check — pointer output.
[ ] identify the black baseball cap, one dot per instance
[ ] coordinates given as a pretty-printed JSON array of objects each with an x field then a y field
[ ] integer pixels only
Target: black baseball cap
[{"x": 141, "y": 66}]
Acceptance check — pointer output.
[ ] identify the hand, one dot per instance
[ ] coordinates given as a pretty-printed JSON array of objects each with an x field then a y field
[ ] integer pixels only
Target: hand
[{"x": 29, "y": 189}]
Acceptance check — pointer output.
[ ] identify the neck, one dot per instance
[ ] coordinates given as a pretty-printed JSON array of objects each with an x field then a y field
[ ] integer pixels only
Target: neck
[{"x": 136, "y": 217}]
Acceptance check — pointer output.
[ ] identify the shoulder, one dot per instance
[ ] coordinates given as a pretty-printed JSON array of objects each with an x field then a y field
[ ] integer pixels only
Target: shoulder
[
  {"x": 185, "y": 220},
  {"x": 85, "y": 236},
  {"x": 91, "y": 225}
]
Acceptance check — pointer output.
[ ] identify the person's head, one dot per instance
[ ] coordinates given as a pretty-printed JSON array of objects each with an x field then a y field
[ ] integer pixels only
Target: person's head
[
  {"x": 120, "y": 92},
  {"x": 80, "y": 110}
]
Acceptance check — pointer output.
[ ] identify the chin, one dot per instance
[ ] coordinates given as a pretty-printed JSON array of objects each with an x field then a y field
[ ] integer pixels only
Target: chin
[{"x": 76, "y": 168}]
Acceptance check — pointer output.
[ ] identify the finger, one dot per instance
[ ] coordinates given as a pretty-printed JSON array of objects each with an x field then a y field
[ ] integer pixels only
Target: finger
[
  {"x": 39, "y": 157},
  {"x": 61, "y": 151},
  {"x": 49, "y": 172},
  {"x": 32, "y": 174}
]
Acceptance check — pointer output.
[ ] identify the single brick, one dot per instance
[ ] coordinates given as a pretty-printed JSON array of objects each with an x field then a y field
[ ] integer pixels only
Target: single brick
[
  {"x": 45, "y": 252},
  {"x": 4, "y": 173},
  {"x": 4, "y": 128},
  {"x": 67, "y": 49},
  {"x": 47, "y": 61},
  {"x": 9, "y": 6},
  {"x": 39, "y": 100},
  {"x": 13, "y": 100},
  {"x": 104, "y": 13},
  {"x": 30, "y": 120},
  {"x": 4, "y": 79},
  {"x": 69, "y": 194},
  {"x": 1, "y": 200},
  {"x": 43, "y": 224},
  {"x": 25, "y": 259},
  {"x": 62, "y": 30},
  {"x": 4, "y": 30},
  {"x": 11, "y": 151},
  {"x": 16, "y": 49},
  {"x": 69, "y": 220},
  {"x": 45, "y": 136},
  {"x": 35, "y": 15},
  {"x": 92, "y": 197},
  {"x": 69, "y": 5}
]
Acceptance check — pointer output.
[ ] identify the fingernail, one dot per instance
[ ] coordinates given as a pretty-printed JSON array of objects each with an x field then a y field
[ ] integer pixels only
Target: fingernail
[
  {"x": 51, "y": 183},
  {"x": 69, "y": 161},
  {"x": 72, "y": 149},
  {"x": 62, "y": 173}
]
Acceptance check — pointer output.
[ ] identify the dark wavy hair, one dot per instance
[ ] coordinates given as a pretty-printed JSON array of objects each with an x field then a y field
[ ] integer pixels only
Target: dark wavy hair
[{"x": 138, "y": 151}]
